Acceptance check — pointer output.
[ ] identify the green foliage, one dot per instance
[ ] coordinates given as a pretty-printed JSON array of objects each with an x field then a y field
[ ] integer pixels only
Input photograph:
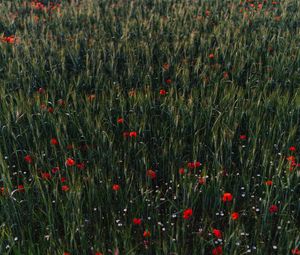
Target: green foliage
[{"x": 229, "y": 69}]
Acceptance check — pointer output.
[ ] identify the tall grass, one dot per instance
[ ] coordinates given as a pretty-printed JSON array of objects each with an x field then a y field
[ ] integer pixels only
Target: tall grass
[{"x": 210, "y": 81}]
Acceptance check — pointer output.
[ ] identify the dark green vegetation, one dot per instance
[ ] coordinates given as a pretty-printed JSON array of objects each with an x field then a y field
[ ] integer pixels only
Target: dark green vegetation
[{"x": 215, "y": 82}]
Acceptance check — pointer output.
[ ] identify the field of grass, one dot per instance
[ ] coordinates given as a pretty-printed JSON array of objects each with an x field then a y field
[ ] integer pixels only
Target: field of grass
[{"x": 150, "y": 127}]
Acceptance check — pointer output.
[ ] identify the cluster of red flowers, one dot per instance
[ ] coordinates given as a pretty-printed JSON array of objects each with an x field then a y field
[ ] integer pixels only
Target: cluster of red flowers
[
  {"x": 69, "y": 163},
  {"x": 168, "y": 81},
  {"x": 9, "y": 39},
  {"x": 217, "y": 251},
  {"x": 187, "y": 213},
  {"x": 38, "y": 5},
  {"x": 250, "y": 7},
  {"x": 129, "y": 134},
  {"x": 192, "y": 165},
  {"x": 49, "y": 109},
  {"x": 146, "y": 233},
  {"x": 44, "y": 105},
  {"x": 292, "y": 159}
]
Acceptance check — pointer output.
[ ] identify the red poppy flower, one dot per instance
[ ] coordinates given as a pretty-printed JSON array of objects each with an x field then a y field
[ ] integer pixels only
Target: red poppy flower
[
  {"x": 150, "y": 173},
  {"x": 41, "y": 90},
  {"x": 211, "y": 56},
  {"x": 202, "y": 180},
  {"x": 227, "y": 197},
  {"x": 137, "y": 221},
  {"x": 67, "y": 253},
  {"x": 225, "y": 75},
  {"x": 9, "y": 39},
  {"x": 120, "y": 120},
  {"x": 46, "y": 176},
  {"x": 2, "y": 190},
  {"x": 116, "y": 187},
  {"x": 37, "y": 5},
  {"x": 91, "y": 97},
  {"x": 181, "y": 171},
  {"x": 28, "y": 159},
  {"x": 55, "y": 169},
  {"x": 235, "y": 215},
  {"x": 65, "y": 188},
  {"x": 217, "y": 251},
  {"x": 162, "y": 92},
  {"x": 146, "y": 233},
  {"x": 273, "y": 209},
  {"x": 21, "y": 188},
  {"x": 166, "y": 66},
  {"x": 269, "y": 183},
  {"x": 243, "y": 137},
  {"x": 292, "y": 148},
  {"x": 187, "y": 213},
  {"x": 80, "y": 166},
  {"x": 133, "y": 134},
  {"x": 50, "y": 109},
  {"x": 54, "y": 141},
  {"x": 192, "y": 165},
  {"x": 217, "y": 233},
  {"x": 125, "y": 134},
  {"x": 291, "y": 158},
  {"x": 295, "y": 251},
  {"x": 98, "y": 253},
  {"x": 63, "y": 179},
  {"x": 168, "y": 81},
  {"x": 70, "y": 162}
]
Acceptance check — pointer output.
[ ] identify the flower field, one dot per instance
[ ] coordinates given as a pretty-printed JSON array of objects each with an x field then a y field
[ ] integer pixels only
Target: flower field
[{"x": 150, "y": 127}]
